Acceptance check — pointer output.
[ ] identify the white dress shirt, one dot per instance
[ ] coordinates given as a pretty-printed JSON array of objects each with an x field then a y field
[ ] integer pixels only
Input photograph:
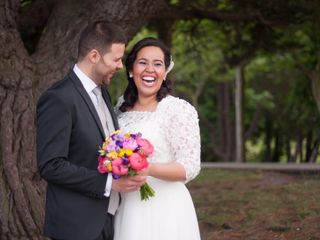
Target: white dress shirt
[{"x": 89, "y": 85}]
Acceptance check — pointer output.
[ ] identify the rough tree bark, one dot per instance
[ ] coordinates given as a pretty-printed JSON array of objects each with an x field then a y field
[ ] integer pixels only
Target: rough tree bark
[{"x": 23, "y": 77}]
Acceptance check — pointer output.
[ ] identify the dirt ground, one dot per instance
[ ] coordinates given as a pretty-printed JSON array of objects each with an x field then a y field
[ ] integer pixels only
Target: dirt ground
[{"x": 265, "y": 206}]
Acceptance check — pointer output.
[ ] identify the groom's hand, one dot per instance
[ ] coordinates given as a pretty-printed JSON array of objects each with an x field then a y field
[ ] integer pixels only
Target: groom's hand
[{"x": 128, "y": 183}]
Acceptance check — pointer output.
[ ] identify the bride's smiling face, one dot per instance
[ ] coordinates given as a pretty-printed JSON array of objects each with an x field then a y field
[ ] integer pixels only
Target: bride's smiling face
[{"x": 149, "y": 70}]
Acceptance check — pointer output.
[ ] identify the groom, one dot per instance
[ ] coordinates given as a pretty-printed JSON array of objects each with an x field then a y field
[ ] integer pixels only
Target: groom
[{"x": 71, "y": 125}]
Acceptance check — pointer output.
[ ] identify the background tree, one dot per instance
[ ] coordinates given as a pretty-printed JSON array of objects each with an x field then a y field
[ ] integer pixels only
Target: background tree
[{"x": 257, "y": 28}]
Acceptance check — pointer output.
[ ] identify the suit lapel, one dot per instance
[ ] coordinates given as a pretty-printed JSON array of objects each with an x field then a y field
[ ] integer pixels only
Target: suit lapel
[{"x": 77, "y": 83}]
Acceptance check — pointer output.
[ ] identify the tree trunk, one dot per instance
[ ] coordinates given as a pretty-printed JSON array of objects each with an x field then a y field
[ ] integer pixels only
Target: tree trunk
[
  {"x": 297, "y": 157},
  {"x": 288, "y": 150},
  {"x": 268, "y": 140},
  {"x": 239, "y": 88},
  {"x": 308, "y": 151},
  {"x": 224, "y": 124},
  {"x": 220, "y": 134},
  {"x": 22, "y": 78},
  {"x": 315, "y": 150},
  {"x": 277, "y": 146},
  {"x": 315, "y": 82}
]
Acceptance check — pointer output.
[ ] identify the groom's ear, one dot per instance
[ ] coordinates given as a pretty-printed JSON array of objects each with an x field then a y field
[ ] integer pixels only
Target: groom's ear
[{"x": 94, "y": 56}]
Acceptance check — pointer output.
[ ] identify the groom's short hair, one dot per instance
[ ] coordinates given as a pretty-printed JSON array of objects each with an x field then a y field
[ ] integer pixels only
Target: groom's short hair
[{"x": 100, "y": 35}]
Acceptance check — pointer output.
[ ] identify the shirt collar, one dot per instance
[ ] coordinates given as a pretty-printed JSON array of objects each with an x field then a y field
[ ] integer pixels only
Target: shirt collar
[{"x": 87, "y": 82}]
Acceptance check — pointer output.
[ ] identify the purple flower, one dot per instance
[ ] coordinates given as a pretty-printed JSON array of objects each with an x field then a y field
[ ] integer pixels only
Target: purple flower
[
  {"x": 118, "y": 137},
  {"x": 112, "y": 146},
  {"x": 115, "y": 176},
  {"x": 119, "y": 143},
  {"x": 130, "y": 143},
  {"x": 135, "y": 135},
  {"x": 125, "y": 161}
]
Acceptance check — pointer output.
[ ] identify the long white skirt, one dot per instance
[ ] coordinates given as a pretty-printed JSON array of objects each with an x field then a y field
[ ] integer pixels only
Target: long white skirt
[{"x": 170, "y": 215}]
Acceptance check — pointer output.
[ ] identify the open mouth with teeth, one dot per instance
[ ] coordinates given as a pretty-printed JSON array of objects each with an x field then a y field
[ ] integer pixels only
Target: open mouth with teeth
[{"x": 149, "y": 81}]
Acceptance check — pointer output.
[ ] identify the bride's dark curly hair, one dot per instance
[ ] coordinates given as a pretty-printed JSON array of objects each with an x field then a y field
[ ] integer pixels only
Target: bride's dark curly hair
[{"x": 131, "y": 93}]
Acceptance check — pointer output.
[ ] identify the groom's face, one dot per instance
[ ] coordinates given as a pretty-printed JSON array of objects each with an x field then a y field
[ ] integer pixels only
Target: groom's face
[{"x": 109, "y": 63}]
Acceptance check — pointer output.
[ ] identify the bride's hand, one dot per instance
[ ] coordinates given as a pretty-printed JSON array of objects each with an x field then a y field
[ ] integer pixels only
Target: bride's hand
[{"x": 146, "y": 171}]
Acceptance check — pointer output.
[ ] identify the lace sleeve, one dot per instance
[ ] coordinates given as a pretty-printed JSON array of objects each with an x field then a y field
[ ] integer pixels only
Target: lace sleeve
[{"x": 184, "y": 136}]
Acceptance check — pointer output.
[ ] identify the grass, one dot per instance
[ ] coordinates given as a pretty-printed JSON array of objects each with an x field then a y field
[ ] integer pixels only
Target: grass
[{"x": 256, "y": 205}]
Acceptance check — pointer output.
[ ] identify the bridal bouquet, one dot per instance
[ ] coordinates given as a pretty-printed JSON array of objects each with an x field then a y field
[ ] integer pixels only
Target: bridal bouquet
[{"x": 125, "y": 154}]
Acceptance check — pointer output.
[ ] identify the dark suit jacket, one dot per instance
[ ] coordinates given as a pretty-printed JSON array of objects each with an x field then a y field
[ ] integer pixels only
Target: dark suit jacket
[{"x": 69, "y": 134}]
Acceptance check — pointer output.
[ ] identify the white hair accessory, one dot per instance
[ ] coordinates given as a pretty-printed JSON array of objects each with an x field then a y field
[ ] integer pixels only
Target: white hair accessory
[{"x": 169, "y": 67}]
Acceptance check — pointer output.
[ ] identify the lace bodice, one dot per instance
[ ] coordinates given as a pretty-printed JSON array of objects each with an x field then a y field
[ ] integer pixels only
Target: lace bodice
[{"x": 173, "y": 129}]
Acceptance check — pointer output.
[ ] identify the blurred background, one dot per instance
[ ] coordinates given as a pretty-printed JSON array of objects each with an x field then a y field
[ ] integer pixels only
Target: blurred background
[
  {"x": 250, "y": 68},
  {"x": 256, "y": 87}
]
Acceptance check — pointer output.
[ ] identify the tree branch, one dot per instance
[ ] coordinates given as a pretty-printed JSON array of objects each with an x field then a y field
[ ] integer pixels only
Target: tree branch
[{"x": 267, "y": 16}]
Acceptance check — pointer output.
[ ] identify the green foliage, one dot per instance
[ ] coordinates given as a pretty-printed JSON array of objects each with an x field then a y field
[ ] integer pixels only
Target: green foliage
[
  {"x": 197, "y": 60},
  {"x": 276, "y": 59},
  {"x": 24, "y": 3}
]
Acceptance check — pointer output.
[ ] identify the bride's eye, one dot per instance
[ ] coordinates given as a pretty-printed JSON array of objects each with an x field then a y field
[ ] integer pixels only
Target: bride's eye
[
  {"x": 158, "y": 64},
  {"x": 142, "y": 63}
]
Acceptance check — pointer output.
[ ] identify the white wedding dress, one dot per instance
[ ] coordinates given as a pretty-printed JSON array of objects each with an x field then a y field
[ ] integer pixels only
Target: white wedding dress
[{"x": 173, "y": 129}]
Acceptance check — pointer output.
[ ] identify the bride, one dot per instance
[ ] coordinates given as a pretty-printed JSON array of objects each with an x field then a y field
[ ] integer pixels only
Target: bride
[{"x": 171, "y": 125}]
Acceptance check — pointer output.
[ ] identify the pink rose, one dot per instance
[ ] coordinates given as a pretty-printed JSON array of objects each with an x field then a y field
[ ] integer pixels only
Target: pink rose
[
  {"x": 138, "y": 161},
  {"x": 101, "y": 159},
  {"x": 101, "y": 166},
  {"x": 146, "y": 146},
  {"x": 118, "y": 168}
]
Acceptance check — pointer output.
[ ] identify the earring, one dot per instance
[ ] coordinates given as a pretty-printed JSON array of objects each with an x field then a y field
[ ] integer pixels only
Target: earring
[{"x": 130, "y": 75}]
